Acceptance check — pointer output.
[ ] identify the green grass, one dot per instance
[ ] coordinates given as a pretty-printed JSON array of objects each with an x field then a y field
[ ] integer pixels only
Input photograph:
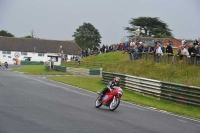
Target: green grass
[
  {"x": 38, "y": 70},
  {"x": 95, "y": 85},
  {"x": 120, "y": 63}
]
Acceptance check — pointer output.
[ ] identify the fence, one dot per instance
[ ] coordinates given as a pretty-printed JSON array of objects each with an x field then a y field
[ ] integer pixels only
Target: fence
[
  {"x": 167, "y": 58},
  {"x": 181, "y": 93},
  {"x": 177, "y": 93}
]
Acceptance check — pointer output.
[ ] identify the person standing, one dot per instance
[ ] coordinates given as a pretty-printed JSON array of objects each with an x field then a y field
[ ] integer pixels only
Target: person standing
[
  {"x": 195, "y": 42},
  {"x": 169, "y": 49},
  {"x": 158, "y": 53},
  {"x": 190, "y": 49}
]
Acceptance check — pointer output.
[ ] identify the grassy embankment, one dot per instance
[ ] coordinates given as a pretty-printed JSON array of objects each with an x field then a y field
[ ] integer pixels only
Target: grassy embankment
[
  {"x": 120, "y": 63},
  {"x": 37, "y": 70}
]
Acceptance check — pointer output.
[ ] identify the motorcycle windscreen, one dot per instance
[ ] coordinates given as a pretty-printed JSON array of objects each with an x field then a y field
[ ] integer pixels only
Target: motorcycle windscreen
[{"x": 107, "y": 98}]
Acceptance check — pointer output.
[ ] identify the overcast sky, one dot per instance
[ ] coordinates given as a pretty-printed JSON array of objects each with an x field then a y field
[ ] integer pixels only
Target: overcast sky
[{"x": 58, "y": 19}]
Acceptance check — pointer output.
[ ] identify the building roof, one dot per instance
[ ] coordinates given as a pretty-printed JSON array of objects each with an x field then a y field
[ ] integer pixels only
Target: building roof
[
  {"x": 38, "y": 45},
  {"x": 150, "y": 39}
]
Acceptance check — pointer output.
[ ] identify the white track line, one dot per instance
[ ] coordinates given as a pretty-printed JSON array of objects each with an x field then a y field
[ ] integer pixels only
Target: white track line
[
  {"x": 140, "y": 106},
  {"x": 59, "y": 87},
  {"x": 181, "y": 120}
]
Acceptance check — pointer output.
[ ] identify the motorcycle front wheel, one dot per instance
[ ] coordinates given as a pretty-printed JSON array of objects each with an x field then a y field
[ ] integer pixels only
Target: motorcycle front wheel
[
  {"x": 98, "y": 102},
  {"x": 114, "y": 104}
]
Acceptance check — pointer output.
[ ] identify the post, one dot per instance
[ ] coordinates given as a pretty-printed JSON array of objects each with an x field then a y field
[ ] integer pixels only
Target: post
[{"x": 101, "y": 72}]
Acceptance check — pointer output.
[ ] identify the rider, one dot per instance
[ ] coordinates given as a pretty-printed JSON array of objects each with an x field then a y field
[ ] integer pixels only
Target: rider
[
  {"x": 6, "y": 65},
  {"x": 114, "y": 82}
]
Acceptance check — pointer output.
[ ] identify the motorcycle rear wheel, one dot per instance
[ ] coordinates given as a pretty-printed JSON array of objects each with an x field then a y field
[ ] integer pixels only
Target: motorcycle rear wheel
[
  {"x": 114, "y": 104},
  {"x": 98, "y": 102}
]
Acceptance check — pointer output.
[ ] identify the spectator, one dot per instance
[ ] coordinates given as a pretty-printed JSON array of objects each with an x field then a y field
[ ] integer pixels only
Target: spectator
[
  {"x": 79, "y": 60},
  {"x": 169, "y": 49},
  {"x": 89, "y": 52},
  {"x": 184, "y": 42},
  {"x": 52, "y": 63},
  {"x": 126, "y": 45},
  {"x": 184, "y": 51},
  {"x": 63, "y": 57},
  {"x": 196, "y": 52},
  {"x": 195, "y": 42},
  {"x": 86, "y": 52},
  {"x": 190, "y": 49},
  {"x": 132, "y": 44},
  {"x": 103, "y": 48},
  {"x": 146, "y": 48},
  {"x": 158, "y": 51},
  {"x": 82, "y": 53},
  {"x": 154, "y": 48}
]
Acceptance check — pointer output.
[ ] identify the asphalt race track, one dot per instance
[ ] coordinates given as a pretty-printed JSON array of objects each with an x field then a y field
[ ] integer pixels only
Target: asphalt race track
[{"x": 33, "y": 104}]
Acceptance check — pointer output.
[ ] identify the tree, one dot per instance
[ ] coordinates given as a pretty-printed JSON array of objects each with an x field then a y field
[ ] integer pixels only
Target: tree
[
  {"x": 87, "y": 36},
  {"x": 5, "y": 33},
  {"x": 150, "y": 27},
  {"x": 32, "y": 34},
  {"x": 28, "y": 36}
]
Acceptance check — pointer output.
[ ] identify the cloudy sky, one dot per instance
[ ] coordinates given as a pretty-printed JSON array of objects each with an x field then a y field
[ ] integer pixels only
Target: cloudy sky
[{"x": 58, "y": 19}]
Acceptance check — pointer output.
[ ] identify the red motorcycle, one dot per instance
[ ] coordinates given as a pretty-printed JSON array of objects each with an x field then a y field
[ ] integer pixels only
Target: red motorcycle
[{"x": 110, "y": 99}]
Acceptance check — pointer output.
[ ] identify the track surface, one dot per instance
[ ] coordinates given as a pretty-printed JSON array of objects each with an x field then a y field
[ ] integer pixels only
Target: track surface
[{"x": 32, "y": 104}]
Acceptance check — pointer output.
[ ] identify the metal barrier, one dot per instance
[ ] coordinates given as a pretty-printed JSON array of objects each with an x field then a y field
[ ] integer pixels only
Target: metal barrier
[
  {"x": 178, "y": 93},
  {"x": 143, "y": 85}
]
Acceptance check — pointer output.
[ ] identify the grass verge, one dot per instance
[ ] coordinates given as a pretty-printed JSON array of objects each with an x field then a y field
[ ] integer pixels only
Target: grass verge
[
  {"x": 38, "y": 70},
  {"x": 118, "y": 62},
  {"x": 95, "y": 85}
]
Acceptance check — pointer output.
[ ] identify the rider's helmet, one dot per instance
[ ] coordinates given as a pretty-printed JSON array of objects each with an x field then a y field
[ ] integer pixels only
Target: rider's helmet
[{"x": 117, "y": 80}]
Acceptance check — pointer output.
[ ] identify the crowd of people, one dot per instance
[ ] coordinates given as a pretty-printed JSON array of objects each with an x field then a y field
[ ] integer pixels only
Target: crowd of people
[
  {"x": 132, "y": 47},
  {"x": 137, "y": 48}
]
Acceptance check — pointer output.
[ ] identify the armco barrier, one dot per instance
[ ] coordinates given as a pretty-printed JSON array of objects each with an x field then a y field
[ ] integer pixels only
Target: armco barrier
[
  {"x": 143, "y": 85},
  {"x": 177, "y": 93},
  {"x": 180, "y": 93},
  {"x": 59, "y": 68}
]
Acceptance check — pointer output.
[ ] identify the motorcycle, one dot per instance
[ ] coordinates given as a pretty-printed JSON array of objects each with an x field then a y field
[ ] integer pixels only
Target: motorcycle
[{"x": 110, "y": 99}]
